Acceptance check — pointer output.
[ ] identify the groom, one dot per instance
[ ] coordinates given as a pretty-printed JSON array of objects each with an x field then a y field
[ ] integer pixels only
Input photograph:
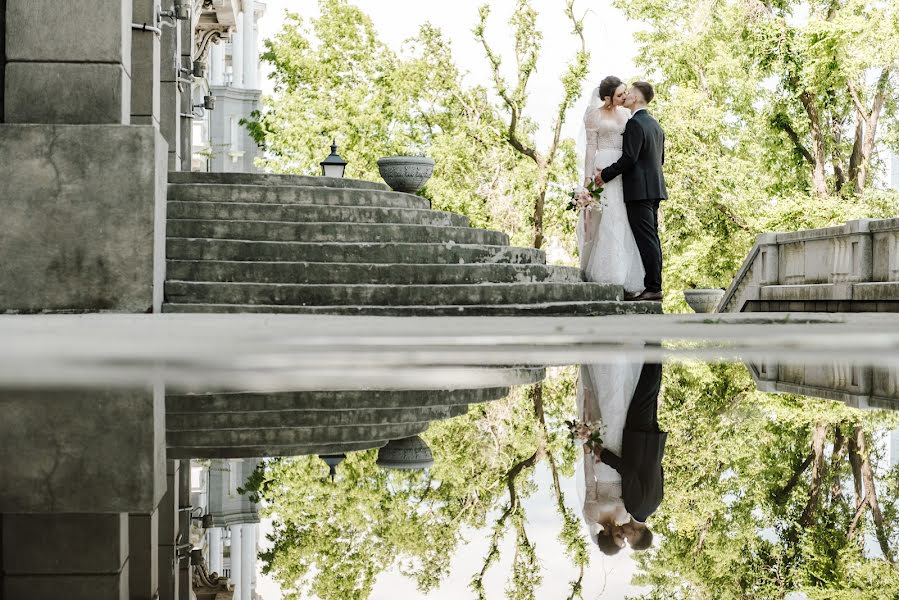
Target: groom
[{"x": 640, "y": 167}]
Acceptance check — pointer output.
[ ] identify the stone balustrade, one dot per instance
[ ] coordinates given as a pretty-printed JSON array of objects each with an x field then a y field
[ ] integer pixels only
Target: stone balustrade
[
  {"x": 856, "y": 385},
  {"x": 847, "y": 268}
]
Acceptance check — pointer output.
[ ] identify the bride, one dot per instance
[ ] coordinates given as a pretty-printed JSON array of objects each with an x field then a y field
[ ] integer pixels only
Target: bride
[{"x": 606, "y": 243}]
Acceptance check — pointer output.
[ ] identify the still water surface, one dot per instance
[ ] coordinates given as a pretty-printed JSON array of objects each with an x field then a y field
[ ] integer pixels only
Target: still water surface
[{"x": 747, "y": 491}]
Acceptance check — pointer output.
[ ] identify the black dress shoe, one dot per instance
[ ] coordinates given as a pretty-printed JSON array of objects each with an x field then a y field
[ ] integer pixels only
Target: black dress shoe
[
  {"x": 645, "y": 296},
  {"x": 631, "y": 297}
]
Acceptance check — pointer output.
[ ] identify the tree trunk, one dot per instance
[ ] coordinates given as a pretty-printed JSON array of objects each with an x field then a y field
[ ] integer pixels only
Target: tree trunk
[
  {"x": 871, "y": 495},
  {"x": 855, "y": 462},
  {"x": 539, "y": 206},
  {"x": 855, "y": 158},
  {"x": 783, "y": 494},
  {"x": 837, "y": 159},
  {"x": 839, "y": 450},
  {"x": 818, "y": 436},
  {"x": 819, "y": 179}
]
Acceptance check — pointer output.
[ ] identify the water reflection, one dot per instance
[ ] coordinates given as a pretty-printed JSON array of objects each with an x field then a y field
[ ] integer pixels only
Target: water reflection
[{"x": 748, "y": 494}]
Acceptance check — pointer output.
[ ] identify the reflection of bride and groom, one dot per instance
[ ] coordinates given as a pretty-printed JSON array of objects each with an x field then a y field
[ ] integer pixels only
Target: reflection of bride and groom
[{"x": 623, "y": 484}]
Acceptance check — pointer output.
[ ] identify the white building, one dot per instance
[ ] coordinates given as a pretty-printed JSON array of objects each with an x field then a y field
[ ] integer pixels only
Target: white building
[{"x": 220, "y": 142}]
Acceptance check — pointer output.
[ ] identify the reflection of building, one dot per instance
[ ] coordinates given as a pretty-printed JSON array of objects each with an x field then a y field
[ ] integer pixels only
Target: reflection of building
[
  {"x": 220, "y": 142},
  {"x": 857, "y": 386},
  {"x": 230, "y": 545}
]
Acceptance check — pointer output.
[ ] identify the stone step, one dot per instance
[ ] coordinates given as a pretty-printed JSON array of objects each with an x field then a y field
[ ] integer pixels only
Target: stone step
[
  {"x": 308, "y": 195},
  {"x": 289, "y": 419},
  {"x": 343, "y": 400},
  {"x": 270, "y": 179},
  {"x": 328, "y": 232},
  {"x": 545, "y": 309},
  {"x": 358, "y": 252},
  {"x": 188, "y": 292},
  {"x": 370, "y": 273},
  {"x": 180, "y": 452},
  {"x": 315, "y": 213},
  {"x": 292, "y": 436}
]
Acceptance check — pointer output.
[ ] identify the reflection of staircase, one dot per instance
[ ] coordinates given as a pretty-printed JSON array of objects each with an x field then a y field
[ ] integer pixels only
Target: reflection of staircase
[
  {"x": 237, "y": 425},
  {"x": 277, "y": 243}
]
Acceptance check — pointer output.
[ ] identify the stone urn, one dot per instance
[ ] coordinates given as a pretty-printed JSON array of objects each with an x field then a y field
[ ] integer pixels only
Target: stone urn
[
  {"x": 704, "y": 301},
  {"x": 407, "y": 454},
  {"x": 406, "y": 173}
]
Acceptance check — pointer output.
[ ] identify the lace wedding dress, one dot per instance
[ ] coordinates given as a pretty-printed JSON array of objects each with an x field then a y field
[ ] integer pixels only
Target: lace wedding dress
[
  {"x": 604, "y": 393},
  {"x": 606, "y": 243}
]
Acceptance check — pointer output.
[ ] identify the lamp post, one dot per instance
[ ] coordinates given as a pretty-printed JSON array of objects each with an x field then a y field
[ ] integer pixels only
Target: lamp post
[
  {"x": 333, "y": 165},
  {"x": 332, "y": 460}
]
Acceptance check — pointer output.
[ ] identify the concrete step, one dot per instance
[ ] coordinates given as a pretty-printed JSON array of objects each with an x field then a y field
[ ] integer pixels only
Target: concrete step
[
  {"x": 292, "y": 436},
  {"x": 308, "y": 195},
  {"x": 289, "y": 419},
  {"x": 188, "y": 292},
  {"x": 342, "y": 400},
  {"x": 357, "y": 252},
  {"x": 545, "y": 309},
  {"x": 270, "y": 179},
  {"x": 314, "y": 213},
  {"x": 179, "y": 452},
  {"x": 370, "y": 273},
  {"x": 328, "y": 232}
]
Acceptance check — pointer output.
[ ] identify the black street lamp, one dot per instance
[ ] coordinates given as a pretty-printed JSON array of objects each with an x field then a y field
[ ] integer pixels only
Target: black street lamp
[
  {"x": 333, "y": 166},
  {"x": 332, "y": 460}
]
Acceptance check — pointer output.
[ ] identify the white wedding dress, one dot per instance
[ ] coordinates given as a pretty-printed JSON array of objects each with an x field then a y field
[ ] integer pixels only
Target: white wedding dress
[
  {"x": 604, "y": 393},
  {"x": 606, "y": 243}
]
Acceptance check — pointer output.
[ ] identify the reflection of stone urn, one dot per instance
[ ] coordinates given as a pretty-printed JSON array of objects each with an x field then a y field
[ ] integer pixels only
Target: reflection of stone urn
[
  {"x": 406, "y": 173},
  {"x": 408, "y": 454},
  {"x": 704, "y": 301}
]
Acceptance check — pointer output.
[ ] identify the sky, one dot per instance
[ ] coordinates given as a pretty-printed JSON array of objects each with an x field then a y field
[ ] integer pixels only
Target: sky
[{"x": 609, "y": 39}]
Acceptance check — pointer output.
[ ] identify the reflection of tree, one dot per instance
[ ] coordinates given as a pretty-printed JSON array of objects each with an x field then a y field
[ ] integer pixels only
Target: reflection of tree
[
  {"x": 768, "y": 494},
  {"x": 332, "y": 540}
]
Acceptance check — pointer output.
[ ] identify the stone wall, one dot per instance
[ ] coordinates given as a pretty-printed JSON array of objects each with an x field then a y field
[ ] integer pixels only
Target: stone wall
[{"x": 848, "y": 268}]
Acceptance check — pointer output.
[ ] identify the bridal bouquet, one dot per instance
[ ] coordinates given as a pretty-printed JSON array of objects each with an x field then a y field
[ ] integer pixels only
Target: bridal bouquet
[
  {"x": 586, "y": 433},
  {"x": 586, "y": 197}
]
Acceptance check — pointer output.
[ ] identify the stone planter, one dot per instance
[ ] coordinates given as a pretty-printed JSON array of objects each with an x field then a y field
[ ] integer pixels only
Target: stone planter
[
  {"x": 703, "y": 301},
  {"x": 409, "y": 453},
  {"x": 406, "y": 173}
]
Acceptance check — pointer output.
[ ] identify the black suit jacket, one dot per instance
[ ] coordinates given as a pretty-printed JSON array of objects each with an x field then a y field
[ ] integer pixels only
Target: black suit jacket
[
  {"x": 642, "y": 450},
  {"x": 640, "y": 165}
]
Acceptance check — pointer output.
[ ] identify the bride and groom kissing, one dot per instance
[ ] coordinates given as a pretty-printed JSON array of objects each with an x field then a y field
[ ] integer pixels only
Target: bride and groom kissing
[{"x": 625, "y": 151}]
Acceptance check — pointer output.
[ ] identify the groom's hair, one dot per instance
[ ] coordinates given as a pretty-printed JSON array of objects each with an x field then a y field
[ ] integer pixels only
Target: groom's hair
[
  {"x": 643, "y": 542},
  {"x": 645, "y": 89}
]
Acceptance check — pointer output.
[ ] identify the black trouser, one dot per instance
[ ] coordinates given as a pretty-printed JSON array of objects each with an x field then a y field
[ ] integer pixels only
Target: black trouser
[
  {"x": 643, "y": 412},
  {"x": 643, "y": 216}
]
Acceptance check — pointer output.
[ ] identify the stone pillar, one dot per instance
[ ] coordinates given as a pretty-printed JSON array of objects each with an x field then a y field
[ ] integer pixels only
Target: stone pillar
[
  {"x": 182, "y": 565},
  {"x": 76, "y": 556},
  {"x": 214, "y": 539},
  {"x": 217, "y": 64},
  {"x": 186, "y": 122},
  {"x": 168, "y": 533},
  {"x": 68, "y": 62},
  {"x": 237, "y": 42},
  {"x": 143, "y": 541},
  {"x": 250, "y": 55},
  {"x": 170, "y": 93},
  {"x": 236, "y": 554},
  {"x": 247, "y": 559},
  {"x": 145, "y": 57}
]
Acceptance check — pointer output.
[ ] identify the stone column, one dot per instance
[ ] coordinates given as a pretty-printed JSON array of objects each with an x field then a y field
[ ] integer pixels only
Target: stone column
[
  {"x": 250, "y": 56},
  {"x": 214, "y": 540},
  {"x": 75, "y": 556},
  {"x": 168, "y": 532},
  {"x": 80, "y": 186},
  {"x": 236, "y": 553},
  {"x": 182, "y": 565},
  {"x": 170, "y": 93},
  {"x": 68, "y": 62},
  {"x": 143, "y": 541},
  {"x": 145, "y": 57},
  {"x": 237, "y": 42},
  {"x": 247, "y": 560},
  {"x": 186, "y": 123},
  {"x": 217, "y": 64}
]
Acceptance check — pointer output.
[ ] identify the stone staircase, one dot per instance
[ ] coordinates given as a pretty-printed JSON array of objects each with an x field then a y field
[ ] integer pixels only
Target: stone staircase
[{"x": 313, "y": 245}]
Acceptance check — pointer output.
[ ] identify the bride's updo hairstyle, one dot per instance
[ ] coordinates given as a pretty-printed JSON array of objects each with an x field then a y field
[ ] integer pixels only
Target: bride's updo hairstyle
[{"x": 608, "y": 86}]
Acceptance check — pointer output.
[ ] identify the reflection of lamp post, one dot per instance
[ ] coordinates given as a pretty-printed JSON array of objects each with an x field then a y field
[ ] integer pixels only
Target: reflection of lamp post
[
  {"x": 332, "y": 460},
  {"x": 333, "y": 165}
]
